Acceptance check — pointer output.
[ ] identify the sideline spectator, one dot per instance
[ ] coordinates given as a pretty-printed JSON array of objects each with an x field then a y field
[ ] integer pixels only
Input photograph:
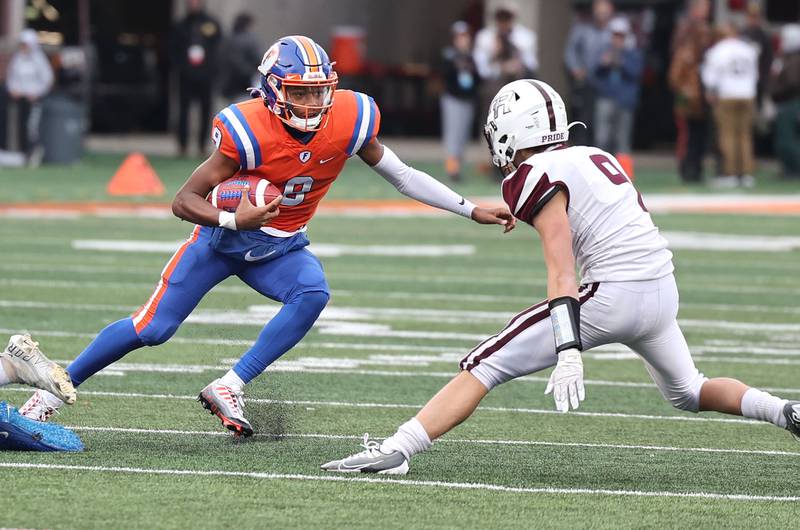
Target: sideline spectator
[
  {"x": 503, "y": 52},
  {"x": 582, "y": 53},
  {"x": 755, "y": 32},
  {"x": 695, "y": 18},
  {"x": 458, "y": 99},
  {"x": 616, "y": 78},
  {"x": 193, "y": 49},
  {"x": 240, "y": 54},
  {"x": 692, "y": 114},
  {"x": 785, "y": 91},
  {"x": 730, "y": 75},
  {"x": 28, "y": 80}
]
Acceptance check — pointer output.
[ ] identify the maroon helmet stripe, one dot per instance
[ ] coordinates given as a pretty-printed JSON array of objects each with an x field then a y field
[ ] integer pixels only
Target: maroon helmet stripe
[{"x": 547, "y": 102}]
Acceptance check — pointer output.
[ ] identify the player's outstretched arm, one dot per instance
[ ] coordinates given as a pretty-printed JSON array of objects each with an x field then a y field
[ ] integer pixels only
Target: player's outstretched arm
[
  {"x": 190, "y": 202},
  {"x": 424, "y": 188},
  {"x": 566, "y": 381}
]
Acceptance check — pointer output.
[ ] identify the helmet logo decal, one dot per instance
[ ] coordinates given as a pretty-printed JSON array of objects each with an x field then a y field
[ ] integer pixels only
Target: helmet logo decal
[
  {"x": 499, "y": 104},
  {"x": 305, "y": 156},
  {"x": 270, "y": 57}
]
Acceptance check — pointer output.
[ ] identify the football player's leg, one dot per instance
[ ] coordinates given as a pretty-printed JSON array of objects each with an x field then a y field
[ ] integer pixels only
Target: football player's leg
[
  {"x": 297, "y": 280},
  {"x": 669, "y": 362},
  {"x": 526, "y": 345},
  {"x": 188, "y": 275}
]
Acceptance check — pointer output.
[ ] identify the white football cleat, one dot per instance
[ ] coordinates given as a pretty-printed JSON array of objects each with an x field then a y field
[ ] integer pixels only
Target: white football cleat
[
  {"x": 34, "y": 369},
  {"x": 373, "y": 459},
  {"x": 228, "y": 405},
  {"x": 37, "y": 407}
]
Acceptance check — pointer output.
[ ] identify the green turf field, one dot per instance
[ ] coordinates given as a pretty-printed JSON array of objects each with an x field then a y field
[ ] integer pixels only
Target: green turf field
[{"x": 155, "y": 459}]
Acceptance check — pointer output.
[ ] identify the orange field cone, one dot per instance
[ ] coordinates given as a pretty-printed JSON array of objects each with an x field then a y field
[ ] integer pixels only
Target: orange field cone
[
  {"x": 626, "y": 161},
  {"x": 135, "y": 177}
]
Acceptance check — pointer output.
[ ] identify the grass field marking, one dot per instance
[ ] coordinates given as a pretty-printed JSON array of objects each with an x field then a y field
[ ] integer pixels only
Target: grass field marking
[
  {"x": 323, "y": 250},
  {"x": 360, "y": 405},
  {"x": 588, "y": 445},
  {"x": 730, "y": 242},
  {"x": 302, "y": 365},
  {"x": 409, "y": 482},
  {"x": 685, "y": 286},
  {"x": 677, "y": 240}
]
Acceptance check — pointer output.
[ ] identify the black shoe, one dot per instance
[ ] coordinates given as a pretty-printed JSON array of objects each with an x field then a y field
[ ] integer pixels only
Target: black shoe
[{"x": 791, "y": 411}]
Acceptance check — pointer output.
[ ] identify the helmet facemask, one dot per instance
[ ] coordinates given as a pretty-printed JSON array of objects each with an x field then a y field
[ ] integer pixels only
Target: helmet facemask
[{"x": 302, "y": 103}]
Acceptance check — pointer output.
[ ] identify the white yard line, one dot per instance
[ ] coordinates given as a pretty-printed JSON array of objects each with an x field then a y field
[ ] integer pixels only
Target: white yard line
[
  {"x": 333, "y": 365},
  {"x": 403, "y": 406},
  {"x": 589, "y": 445},
  {"x": 707, "y": 286},
  {"x": 405, "y": 482},
  {"x": 328, "y": 250}
]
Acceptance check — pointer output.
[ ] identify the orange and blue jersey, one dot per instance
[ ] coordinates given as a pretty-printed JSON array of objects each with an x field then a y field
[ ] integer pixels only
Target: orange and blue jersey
[{"x": 258, "y": 141}]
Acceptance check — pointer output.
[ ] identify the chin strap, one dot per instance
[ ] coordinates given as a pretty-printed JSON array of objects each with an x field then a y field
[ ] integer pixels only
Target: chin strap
[{"x": 572, "y": 124}]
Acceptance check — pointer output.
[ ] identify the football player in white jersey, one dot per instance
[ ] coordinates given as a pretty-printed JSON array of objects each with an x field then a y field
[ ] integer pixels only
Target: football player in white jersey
[{"x": 588, "y": 213}]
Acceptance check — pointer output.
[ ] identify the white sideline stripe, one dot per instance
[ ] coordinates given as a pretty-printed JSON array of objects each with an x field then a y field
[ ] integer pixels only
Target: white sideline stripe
[
  {"x": 590, "y": 445},
  {"x": 420, "y": 483},
  {"x": 346, "y": 404}
]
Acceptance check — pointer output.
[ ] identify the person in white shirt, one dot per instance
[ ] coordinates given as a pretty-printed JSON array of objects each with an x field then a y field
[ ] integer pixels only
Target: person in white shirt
[
  {"x": 503, "y": 52},
  {"x": 730, "y": 76},
  {"x": 588, "y": 214},
  {"x": 28, "y": 80}
]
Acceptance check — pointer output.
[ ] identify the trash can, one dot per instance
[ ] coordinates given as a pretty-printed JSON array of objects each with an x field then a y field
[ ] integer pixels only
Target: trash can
[{"x": 62, "y": 129}]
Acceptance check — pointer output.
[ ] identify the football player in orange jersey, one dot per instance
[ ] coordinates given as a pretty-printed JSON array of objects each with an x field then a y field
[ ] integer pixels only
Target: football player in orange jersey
[{"x": 298, "y": 133}]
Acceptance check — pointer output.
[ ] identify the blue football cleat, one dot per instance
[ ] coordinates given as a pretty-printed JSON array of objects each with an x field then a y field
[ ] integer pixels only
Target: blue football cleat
[{"x": 18, "y": 433}]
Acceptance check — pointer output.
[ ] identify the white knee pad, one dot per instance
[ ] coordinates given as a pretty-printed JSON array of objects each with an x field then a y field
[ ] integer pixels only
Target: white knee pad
[{"x": 685, "y": 394}]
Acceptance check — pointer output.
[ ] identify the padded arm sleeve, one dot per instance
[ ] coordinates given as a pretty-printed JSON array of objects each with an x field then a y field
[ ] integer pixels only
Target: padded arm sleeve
[{"x": 420, "y": 186}]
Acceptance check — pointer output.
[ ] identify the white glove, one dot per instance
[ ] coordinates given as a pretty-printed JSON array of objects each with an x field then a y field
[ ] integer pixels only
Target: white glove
[{"x": 566, "y": 381}]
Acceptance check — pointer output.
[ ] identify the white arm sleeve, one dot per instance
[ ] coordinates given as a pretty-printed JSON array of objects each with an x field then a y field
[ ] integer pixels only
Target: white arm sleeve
[{"x": 420, "y": 186}]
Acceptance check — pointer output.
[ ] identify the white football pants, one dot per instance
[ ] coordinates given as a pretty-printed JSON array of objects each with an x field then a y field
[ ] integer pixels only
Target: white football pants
[{"x": 640, "y": 315}]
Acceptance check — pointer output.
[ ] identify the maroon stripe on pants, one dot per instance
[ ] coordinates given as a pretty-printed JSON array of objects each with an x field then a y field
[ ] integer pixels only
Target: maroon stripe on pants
[
  {"x": 510, "y": 324},
  {"x": 588, "y": 292}
]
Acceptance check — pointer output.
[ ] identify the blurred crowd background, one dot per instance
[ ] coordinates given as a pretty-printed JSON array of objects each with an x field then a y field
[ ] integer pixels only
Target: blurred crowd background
[{"x": 704, "y": 79}]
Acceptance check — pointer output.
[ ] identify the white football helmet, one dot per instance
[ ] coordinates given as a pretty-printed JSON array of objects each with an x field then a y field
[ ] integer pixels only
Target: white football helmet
[{"x": 525, "y": 113}]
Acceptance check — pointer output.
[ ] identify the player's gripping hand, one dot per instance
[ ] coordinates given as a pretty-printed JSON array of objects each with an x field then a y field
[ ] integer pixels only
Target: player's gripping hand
[
  {"x": 566, "y": 381},
  {"x": 496, "y": 216},
  {"x": 249, "y": 217}
]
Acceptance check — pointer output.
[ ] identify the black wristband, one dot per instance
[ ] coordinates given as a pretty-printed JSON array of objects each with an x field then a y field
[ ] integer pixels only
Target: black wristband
[{"x": 565, "y": 315}]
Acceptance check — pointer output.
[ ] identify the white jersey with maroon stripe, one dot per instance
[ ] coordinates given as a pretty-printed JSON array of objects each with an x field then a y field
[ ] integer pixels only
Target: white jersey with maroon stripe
[{"x": 613, "y": 237}]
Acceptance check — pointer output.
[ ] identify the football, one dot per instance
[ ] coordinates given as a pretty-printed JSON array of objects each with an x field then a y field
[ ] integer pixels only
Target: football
[{"x": 227, "y": 194}]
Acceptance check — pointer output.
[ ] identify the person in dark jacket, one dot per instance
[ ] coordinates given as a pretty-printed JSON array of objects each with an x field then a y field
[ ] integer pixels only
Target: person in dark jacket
[
  {"x": 240, "y": 52},
  {"x": 458, "y": 99},
  {"x": 617, "y": 79},
  {"x": 194, "y": 43},
  {"x": 785, "y": 91}
]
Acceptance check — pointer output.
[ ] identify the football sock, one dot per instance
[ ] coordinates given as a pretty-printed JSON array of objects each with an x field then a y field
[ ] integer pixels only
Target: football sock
[
  {"x": 409, "y": 439},
  {"x": 281, "y": 333},
  {"x": 110, "y": 345},
  {"x": 50, "y": 400},
  {"x": 7, "y": 373},
  {"x": 760, "y": 405},
  {"x": 232, "y": 380}
]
